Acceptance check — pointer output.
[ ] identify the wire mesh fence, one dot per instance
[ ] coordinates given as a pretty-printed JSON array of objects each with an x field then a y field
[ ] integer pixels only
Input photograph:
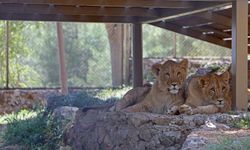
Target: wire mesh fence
[{"x": 92, "y": 60}]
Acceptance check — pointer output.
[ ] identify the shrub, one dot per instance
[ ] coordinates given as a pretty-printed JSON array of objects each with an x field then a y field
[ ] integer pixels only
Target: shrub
[{"x": 39, "y": 132}]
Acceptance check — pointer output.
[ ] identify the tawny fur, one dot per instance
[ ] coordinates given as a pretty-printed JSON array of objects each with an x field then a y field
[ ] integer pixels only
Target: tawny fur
[
  {"x": 166, "y": 94},
  {"x": 208, "y": 94}
]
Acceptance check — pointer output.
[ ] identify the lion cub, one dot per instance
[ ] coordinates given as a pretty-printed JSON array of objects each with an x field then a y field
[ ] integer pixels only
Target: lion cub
[
  {"x": 166, "y": 94},
  {"x": 208, "y": 94}
]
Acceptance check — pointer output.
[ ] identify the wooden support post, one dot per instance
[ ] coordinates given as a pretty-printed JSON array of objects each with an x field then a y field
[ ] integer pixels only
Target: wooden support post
[
  {"x": 127, "y": 49},
  {"x": 63, "y": 71},
  {"x": 7, "y": 38},
  {"x": 239, "y": 54},
  {"x": 137, "y": 55}
]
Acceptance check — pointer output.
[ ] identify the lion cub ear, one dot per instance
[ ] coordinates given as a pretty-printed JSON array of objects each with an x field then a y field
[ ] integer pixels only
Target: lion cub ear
[
  {"x": 156, "y": 69},
  {"x": 225, "y": 76},
  {"x": 184, "y": 63},
  {"x": 203, "y": 81}
]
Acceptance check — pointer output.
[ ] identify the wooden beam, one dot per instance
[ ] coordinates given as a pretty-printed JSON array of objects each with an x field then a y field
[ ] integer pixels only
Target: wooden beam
[
  {"x": 137, "y": 55},
  {"x": 63, "y": 71},
  {"x": 71, "y": 18},
  {"x": 109, "y": 3},
  {"x": 212, "y": 16},
  {"x": 208, "y": 29},
  {"x": 239, "y": 54},
  {"x": 192, "y": 33},
  {"x": 87, "y": 10},
  {"x": 72, "y": 10},
  {"x": 196, "y": 10}
]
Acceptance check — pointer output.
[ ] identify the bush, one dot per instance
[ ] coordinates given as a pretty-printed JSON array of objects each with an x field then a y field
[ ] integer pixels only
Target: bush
[
  {"x": 39, "y": 132},
  {"x": 85, "y": 98}
]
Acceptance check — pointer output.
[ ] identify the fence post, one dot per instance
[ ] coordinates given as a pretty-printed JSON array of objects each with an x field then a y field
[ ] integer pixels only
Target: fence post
[
  {"x": 137, "y": 55},
  {"x": 63, "y": 71},
  {"x": 239, "y": 53}
]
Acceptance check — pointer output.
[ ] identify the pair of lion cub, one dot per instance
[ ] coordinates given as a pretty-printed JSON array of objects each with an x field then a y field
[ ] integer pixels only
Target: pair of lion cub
[{"x": 205, "y": 94}]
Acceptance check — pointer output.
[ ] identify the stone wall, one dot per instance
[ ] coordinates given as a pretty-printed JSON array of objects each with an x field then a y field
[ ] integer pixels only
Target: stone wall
[
  {"x": 14, "y": 100},
  {"x": 96, "y": 129}
]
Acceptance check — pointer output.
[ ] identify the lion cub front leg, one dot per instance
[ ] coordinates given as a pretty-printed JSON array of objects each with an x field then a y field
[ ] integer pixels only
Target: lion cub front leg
[
  {"x": 173, "y": 110},
  {"x": 140, "y": 107},
  {"x": 186, "y": 109},
  {"x": 209, "y": 109}
]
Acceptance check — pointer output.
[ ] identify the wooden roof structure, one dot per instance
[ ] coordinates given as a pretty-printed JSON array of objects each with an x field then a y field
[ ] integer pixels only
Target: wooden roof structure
[
  {"x": 222, "y": 22},
  {"x": 207, "y": 20}
]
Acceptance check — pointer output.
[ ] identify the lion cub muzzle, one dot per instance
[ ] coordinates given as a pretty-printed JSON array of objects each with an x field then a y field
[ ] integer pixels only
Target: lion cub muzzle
[
  {"x": 174, "y": 88},
  {"x": 220, "y": 102}
]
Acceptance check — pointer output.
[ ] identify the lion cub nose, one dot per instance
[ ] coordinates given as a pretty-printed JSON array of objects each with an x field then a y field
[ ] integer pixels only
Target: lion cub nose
[
  {"x": 220, "y": 100},
  {"x": 174, "y": 84}
]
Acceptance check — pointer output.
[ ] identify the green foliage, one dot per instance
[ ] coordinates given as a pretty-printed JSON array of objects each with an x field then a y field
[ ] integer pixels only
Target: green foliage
[
  {"x": 230, "y": 144},
  {"x": 243, "y": 122},
  {"x": 157, "y": 42},
  {"x": 39, "y": 132},
  {"x": 86, "y": 98},
  {"x": 34, "y": 52}
]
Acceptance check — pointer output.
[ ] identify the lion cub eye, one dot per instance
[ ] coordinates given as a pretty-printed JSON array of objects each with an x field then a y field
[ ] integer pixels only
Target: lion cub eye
[
  {"x": 212, "y": 90},
  {"x": 167, "y": 74},
  {"x": 178, "y": 74},
  {"x": 223, "y": 88}
]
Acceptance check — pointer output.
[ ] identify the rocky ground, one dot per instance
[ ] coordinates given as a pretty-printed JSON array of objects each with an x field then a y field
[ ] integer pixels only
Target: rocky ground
[{"x": 96, "y": 129}]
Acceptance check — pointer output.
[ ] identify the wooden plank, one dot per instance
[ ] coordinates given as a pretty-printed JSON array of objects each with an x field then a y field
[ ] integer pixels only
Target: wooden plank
[
  {"x": 71, "y": 18},
  {"x": 196, "y": 10},
  {"x": 192, "y": 33},
  {"x": 216, "y": 18},
  {"x": 109, "y": 3},
  {"x": 239, "y": 54},
  {"x": 137, "y": 55},
  {"x": 83, "y": 10},
  {"x": 216, "y": 32},
  {"x": 63, "y": 71}
]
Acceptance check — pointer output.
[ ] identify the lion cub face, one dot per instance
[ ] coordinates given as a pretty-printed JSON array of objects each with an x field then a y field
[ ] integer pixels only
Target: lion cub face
[
  {"x": 215, "y": 88},
  {"x": 171, "y": 75}
]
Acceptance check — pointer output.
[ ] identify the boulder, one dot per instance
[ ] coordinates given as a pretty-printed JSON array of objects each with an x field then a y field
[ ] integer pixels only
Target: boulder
[{"x": 97, "y": 129}]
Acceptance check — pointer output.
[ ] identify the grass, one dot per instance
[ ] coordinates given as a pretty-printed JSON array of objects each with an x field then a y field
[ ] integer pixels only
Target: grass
[
  {"x": 230, "y": 144},
  {"x": 21, "y": 115},
  {"x": 40, "y": 131},
  {"x": 227, "y": 143},
  {"x": 112, "y": 93}
]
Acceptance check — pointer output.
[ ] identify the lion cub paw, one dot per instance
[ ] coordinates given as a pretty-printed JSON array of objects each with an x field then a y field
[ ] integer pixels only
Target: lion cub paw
[
  {"x": 186, "y": 109},
  {"x": 173, "y": 110}
]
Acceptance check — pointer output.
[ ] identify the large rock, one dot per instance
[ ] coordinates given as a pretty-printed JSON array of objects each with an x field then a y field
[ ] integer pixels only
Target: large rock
[{"x": 96, "y": 129}]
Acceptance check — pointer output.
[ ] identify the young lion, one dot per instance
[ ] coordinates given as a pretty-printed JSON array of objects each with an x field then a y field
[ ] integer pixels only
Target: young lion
[
  {"x": 208, "y": 94},
  {"x": 166, "y": 94}
]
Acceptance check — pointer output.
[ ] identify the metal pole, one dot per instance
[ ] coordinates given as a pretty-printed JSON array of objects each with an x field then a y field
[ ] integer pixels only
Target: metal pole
[{"x": 7, "y": 37}]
